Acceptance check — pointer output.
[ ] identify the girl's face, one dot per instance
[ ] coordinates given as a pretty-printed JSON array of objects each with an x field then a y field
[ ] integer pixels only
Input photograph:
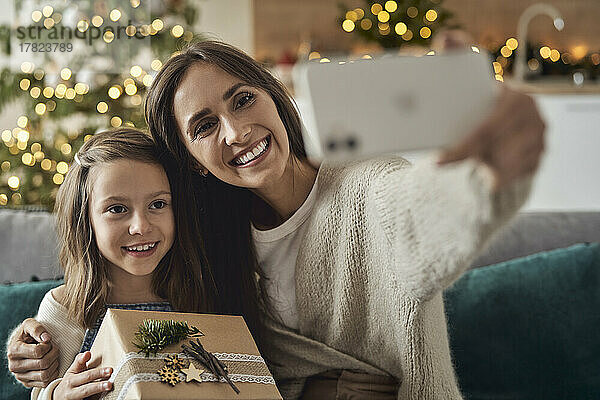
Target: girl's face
[
  {"x": 232, "y": 129},
  {"x": 131, "y": 215}
]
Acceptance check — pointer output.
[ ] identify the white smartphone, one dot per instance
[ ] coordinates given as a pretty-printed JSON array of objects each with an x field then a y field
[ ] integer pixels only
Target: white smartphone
[{"x": 363, "y": 108}]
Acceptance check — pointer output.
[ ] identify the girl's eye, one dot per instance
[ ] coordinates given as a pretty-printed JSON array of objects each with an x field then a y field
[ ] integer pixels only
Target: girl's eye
[
  {"x": 244, "y": 99},
  {"x": 117, "y": 209},
  {"x": 159, "y": 204},
  {"x": 203, "y": 128}
]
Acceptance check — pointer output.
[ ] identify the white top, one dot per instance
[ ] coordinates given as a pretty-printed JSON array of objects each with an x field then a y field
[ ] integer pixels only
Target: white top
[{"x": 276, "y": 252}]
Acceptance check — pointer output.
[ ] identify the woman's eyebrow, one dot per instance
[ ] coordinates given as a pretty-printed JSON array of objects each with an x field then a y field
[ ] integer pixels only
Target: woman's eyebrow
[{"x": 232, "y": 90}]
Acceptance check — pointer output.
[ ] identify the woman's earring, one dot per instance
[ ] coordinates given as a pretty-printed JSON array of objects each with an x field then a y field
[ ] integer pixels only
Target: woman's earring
[{"x": 204, "y": 172}]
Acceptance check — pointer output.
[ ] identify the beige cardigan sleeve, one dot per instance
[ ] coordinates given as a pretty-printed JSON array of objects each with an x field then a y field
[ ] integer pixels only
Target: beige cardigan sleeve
[
  {"x": 437, "y": 218},
  {"x": 66, "y": 334}
]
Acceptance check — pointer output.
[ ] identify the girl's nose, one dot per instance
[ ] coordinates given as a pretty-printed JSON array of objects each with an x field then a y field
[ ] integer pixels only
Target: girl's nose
[{"x": 140, "y": 225}]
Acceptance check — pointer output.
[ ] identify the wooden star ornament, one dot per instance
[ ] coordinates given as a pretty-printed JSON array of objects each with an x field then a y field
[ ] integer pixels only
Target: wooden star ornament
[{"x": 192, "y": 373}]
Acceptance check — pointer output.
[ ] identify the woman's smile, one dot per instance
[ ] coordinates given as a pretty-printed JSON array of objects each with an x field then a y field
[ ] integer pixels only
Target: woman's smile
[{"x": 253, "y": 154}]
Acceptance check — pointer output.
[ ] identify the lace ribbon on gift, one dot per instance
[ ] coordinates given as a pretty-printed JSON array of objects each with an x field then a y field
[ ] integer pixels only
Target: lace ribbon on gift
[{"x": 135, "y": 368}]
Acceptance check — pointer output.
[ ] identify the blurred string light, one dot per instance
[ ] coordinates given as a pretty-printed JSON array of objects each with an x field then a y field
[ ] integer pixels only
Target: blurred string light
[
  {"x": 97, "y": 21},
  {"x": 177, "y": 31},
  {"x": 115, "y": 15},
  {"x": 108, "y": 36},
  {"x": 391, "y": 6},
  {"x": 116, "y": 121},
  {"x": 24, "y": 84},
  {"x": 36, "y": 16},
  {"x": 65, "y": 74},
  {"x": 545, "y": 52},
  {"x": 512, "y": 44},
  {"x": 102, "y": 107},
  {"x": 115, "y": 91},
  {"x": 533, "y": 64},
  {"x": 157, "y": 24},
  {"x": 383, "y": 16},
  {"x": 22, "y": 121},
  {"x": 431, "y": 15},
  {"x": 58, "y": 179},
  {"x": 47, "y": 11},
  {"x": 83, "y": 25},
  {"x": 135, "y": 71},
  {"x": 348, "y": 25},
  {"x": 400, "y": 28},
  {"x": 13, "y": 182}
]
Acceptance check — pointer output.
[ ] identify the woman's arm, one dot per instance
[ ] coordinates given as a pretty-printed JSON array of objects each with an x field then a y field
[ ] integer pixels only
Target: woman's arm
[{"x": 437, "y": 218}]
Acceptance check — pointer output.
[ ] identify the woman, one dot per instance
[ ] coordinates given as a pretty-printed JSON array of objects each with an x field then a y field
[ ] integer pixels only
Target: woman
[{"x": 352, "y": 259}]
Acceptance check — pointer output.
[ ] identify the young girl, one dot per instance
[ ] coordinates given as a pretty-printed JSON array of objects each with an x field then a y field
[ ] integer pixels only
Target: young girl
[{"x": 123, "y": 244}]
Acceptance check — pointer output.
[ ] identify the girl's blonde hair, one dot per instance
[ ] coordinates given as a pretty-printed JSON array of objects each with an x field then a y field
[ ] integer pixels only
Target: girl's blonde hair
[{"x": 179, "y": 276}]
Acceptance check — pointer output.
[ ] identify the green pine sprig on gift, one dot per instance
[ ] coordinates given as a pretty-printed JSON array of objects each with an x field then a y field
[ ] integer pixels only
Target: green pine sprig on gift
[{"x": 154, "y": 335}]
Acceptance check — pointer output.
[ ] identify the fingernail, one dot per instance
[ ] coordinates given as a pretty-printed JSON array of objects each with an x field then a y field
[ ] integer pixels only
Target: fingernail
[
  {"x": 45, "y": 337},
  {"x": 106, "y": 385},
  {"x": 107, "y": 371}
]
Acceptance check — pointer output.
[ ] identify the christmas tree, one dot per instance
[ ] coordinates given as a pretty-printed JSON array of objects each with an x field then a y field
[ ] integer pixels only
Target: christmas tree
[
  {"x": 115, "y": 47},
  {"x": 393, "y": 24}
]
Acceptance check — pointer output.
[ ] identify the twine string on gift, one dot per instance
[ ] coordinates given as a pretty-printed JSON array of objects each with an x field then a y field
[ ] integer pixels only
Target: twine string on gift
[{"x": 217, "y": 367}]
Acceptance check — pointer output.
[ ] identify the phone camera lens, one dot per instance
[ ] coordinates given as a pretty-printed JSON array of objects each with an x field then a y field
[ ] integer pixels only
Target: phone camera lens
[{"x": 351, "y": 142}]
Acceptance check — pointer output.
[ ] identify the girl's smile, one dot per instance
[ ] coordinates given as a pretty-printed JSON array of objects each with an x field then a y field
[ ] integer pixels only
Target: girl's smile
[{"x": 141, "y": 249}]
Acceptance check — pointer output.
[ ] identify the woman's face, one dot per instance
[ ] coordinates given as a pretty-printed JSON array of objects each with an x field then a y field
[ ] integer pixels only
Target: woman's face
[{"x": 232, "y": 129}]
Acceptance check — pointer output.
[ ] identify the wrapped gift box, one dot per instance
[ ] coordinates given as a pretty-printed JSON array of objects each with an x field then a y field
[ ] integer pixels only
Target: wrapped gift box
[{"x": 135, "y": 376}]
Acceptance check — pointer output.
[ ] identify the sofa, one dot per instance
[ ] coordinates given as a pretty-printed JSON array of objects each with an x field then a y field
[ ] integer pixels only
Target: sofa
[{"x": 522, "y": 323}]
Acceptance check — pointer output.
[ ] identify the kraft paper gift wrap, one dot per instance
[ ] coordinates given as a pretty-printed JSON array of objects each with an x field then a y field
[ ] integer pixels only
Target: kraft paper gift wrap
[{"x": 135, "y": 375}]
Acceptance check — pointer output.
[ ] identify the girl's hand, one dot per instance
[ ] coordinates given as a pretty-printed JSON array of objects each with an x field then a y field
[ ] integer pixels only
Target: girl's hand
[
  {"x": 510, "y": 141},
  {"x": 80, "y": 382}
]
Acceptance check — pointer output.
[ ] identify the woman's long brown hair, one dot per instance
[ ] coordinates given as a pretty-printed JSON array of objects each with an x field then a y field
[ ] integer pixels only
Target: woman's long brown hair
[
  {"x": 182, "y": 276},
  {"x": 225, "y": 208}
]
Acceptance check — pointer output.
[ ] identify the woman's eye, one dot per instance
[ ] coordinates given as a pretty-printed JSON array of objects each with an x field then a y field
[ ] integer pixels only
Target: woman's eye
[
  {"x": 117, "y": 209},
  {"x": 159, "y": 204},
  {"x": 203, "y": 128},
  {"x": 244, "y": 100}
]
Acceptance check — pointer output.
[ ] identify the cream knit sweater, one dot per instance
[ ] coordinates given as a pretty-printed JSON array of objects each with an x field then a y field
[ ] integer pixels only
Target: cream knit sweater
[{"x": 384, "y": 239}]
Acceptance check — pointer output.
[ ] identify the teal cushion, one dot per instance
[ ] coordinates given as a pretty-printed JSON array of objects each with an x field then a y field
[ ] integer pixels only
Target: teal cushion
[
  {"x": 17, "y": 302},
  {"x": 529, "y": 328}
]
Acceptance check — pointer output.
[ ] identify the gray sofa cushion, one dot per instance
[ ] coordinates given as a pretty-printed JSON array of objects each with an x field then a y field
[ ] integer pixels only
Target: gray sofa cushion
[
  {"x": 27, "y": 246},
  {"x": 28, "y": 240},
  {"x": 533, "y": 232}
]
